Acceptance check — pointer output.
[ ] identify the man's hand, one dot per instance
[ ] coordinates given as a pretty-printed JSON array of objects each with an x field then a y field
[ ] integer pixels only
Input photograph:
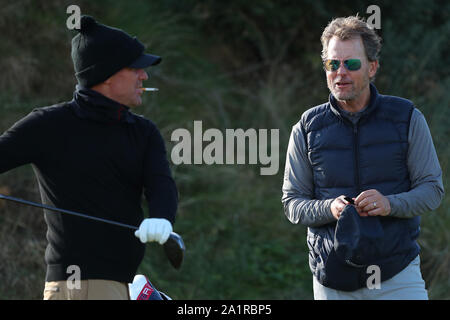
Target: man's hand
[
  {"x": 154, "y": 229},
  {"x": 338, "y": 205},
  {"x": 372, "y": 203}
]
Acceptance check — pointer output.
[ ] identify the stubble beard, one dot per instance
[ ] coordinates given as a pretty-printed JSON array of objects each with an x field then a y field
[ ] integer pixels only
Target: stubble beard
[{"x": 348, "y": 95}]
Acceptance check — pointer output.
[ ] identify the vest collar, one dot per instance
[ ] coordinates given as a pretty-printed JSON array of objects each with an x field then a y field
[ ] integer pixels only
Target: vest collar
[{"x": 373, "y": 102}]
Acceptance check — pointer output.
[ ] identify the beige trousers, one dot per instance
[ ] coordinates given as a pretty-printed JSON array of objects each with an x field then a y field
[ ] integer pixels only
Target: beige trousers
[{"x": 88, "y": 290}]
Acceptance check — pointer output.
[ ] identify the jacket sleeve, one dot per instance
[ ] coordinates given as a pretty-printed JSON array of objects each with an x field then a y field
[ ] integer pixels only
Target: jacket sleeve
[
  {"x": 425, "y": 173},
  {"x": 159, "y": 187},
  {"x": 23, "y": 142},
  {"x": 298, "y": 186}
]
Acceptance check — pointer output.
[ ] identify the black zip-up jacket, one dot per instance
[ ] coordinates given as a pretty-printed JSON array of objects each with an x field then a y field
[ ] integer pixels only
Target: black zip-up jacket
[{"x": 92, "y": 155}]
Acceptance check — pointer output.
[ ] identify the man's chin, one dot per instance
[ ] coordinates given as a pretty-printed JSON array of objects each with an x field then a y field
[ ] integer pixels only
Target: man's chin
[
  {"x": 135, "y": 104},
  {"x": 342, "y": 96}
]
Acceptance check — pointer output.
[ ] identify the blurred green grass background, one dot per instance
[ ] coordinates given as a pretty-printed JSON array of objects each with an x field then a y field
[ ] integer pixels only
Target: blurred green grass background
[{"x": 234, "y": 64}]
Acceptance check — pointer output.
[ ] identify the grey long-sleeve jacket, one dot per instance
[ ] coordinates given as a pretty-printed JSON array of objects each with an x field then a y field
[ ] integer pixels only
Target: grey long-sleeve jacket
[{"x": 425, "y": 173}]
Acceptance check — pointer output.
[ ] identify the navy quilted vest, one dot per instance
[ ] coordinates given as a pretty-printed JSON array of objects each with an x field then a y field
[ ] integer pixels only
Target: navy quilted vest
[{"x": 350, "y": 158}]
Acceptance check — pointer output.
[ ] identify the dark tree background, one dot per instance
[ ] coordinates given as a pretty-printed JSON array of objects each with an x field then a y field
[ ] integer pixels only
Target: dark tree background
[{"x": 233, "y": 64}]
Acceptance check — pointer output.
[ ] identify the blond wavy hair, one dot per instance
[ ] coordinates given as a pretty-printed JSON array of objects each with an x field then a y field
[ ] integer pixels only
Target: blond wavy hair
[{"x": 351, "y": 27}]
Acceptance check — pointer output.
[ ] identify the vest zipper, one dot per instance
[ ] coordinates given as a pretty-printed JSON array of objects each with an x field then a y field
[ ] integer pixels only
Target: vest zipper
[{"x": 356, "y": 145}]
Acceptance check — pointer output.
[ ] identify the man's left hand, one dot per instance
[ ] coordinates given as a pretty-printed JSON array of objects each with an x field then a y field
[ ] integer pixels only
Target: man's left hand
[{"x": 372, "y": 203}]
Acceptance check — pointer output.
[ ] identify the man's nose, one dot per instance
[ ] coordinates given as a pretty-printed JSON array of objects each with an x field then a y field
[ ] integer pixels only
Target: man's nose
[
  {"x": 342, "y": 69},
  {"x": 143, "y": 74}
]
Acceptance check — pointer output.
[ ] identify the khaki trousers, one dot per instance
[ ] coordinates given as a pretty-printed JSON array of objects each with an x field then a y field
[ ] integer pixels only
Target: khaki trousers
[{"x": 88, "y": 290}]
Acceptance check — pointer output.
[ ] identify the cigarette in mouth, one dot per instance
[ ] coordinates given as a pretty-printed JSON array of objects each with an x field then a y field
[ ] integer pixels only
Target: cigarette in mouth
[{"x": 149, "y": 89}]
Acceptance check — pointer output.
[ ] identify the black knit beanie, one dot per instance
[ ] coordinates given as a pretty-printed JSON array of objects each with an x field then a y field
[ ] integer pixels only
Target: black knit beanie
[{"x": 99, "y": 51}]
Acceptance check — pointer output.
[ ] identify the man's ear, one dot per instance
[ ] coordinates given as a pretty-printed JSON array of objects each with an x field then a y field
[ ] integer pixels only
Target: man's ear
[
  {"x": 373, "y": 67},
  {"x": 103, "y": 86},
  {"x": 107, "y": 81}
]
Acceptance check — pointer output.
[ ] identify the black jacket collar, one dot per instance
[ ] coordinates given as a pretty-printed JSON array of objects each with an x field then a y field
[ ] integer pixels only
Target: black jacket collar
[{"x": 90, "y": 104}]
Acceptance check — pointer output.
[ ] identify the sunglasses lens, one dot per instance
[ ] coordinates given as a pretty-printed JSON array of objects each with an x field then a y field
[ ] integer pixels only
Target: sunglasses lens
[
  {"x": 352, "y": 64},
  {"x": 332, "y": 65}
]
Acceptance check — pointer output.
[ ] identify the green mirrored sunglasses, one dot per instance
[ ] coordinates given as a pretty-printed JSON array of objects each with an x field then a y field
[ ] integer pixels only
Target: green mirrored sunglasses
[{"x": 350, "y": 64}]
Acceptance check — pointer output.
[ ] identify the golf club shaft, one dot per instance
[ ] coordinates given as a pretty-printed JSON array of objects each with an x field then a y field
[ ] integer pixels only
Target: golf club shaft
[
  {"x": 173, "y": 247},
  {"x": 43, "y": 206}
]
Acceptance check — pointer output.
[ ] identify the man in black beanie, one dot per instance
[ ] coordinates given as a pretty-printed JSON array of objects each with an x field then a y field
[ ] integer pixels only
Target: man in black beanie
[{"x": 93, "y": 155}]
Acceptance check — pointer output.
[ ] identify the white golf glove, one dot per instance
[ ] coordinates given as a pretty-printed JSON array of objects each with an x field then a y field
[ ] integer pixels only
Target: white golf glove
[{"x": 154, "y": 229}]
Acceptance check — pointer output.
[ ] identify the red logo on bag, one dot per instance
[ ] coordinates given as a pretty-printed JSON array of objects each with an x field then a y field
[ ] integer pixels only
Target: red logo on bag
[{"x": 145, "y": 293}]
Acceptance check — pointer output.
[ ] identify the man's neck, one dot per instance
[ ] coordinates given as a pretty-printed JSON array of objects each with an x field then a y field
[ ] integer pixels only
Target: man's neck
[{"x": 357, "y": 104}]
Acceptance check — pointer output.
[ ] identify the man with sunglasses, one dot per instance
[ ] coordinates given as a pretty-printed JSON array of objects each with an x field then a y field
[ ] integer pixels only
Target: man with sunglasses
[{"x": 360, "y": 170}]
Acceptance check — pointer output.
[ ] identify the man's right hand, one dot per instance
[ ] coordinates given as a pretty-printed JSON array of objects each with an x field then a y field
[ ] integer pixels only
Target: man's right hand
[{"x": 338, "y": 205}]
